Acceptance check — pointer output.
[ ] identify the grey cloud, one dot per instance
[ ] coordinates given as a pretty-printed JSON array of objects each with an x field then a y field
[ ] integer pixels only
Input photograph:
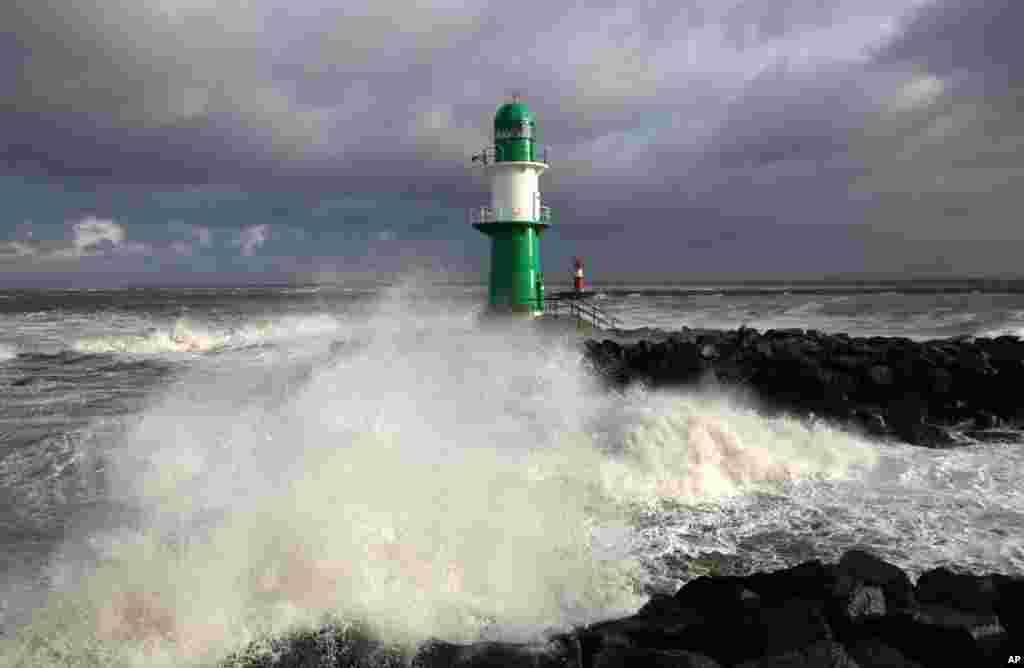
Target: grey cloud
[
  {"x": 238, "y": 90},
  {"x": 943, "y": 157},
  {"x": 948, "y": 37},
  {"x": 687, "y": 118}
]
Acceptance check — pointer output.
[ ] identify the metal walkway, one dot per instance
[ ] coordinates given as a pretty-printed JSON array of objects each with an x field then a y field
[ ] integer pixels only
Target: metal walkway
[{"x": 578, "y": 306}]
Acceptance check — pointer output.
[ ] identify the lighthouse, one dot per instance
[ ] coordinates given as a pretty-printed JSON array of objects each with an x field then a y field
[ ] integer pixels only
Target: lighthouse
[{"x": 516, "y": 217}]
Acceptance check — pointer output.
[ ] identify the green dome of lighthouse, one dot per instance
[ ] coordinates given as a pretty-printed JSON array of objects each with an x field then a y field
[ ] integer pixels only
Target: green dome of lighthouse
[
  {"x": 512, "y": 114},
  {"x": 513, "y": 120}
]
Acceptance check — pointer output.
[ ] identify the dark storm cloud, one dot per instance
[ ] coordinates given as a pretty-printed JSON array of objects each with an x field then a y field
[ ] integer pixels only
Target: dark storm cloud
[
  {"x": 951, "y": 36},
  {"x": 191, "y": 91},
  {"x": 702, "y": 123},
  {"x": 944, "y": 158}
]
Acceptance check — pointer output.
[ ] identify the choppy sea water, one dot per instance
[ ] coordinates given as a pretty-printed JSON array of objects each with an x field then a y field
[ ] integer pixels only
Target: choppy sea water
[{"x": 185, "y": 471}]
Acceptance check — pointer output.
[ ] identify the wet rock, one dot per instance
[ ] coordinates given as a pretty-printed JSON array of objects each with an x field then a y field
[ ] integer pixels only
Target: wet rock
[
  {"x": 767, "y": 631},
  {"x": 811, "y": 580},
  {"x": 974, "y": 361},
  {"x": 994, "y": 435},
  {"x": 859, "y": 613},
  {"x": 717, "y": 596},
  {"x": 639, "y": 631},
  {"x": 873, "y": 653},
  {"x": 963, "y": 592},
  {"x": 987, "y": 420},
  {"x": 1010, "y": 606},
  {"x": 936, "y": 636},
  {"x": 872, "y": 421},
  {"x": 860, "y": 567},
  {"x": 661, "y": 605},
  {"x": 620, "y": 657},
  {"x": 916, "y": 391},
  {"x": 881, "y": 375},
  {"x": 822, "y": 654},
  {"x": 784, "y": 333},
  {"x": 940, "y": 381},
  {"x": 493, "y": 655},
  {"x": 864, "y": 601}
]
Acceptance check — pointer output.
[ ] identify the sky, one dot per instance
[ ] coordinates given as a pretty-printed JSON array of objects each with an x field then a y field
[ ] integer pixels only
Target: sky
[{"x": 207, "y": 142}]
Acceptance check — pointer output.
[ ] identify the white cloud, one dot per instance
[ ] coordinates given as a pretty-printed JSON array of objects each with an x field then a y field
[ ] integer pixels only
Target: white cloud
[
  {"x": 92, "y": 232},
  {"x": 918, "y": 92},
  {"x": 89, "y": 237},
  {"x": 251, "y": 238}
]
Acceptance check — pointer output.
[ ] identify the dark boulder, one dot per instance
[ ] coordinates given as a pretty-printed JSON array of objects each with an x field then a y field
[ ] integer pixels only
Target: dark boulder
[
  {"x": 1010, "y": 606},
  {"x": 766, "y": 631},
  {"x": 640, "y": 631},
  {"x": 494, "y": 655},
  {"x": 811, "y": 580},
  {"x": 718, "y": 597},
  {"x": 661, "y": 605},
  {"x": 860, "y": 567},
  {"x": 862, "y": 602},
  {"x": 879, "y": 374},
  {"x": 887, "y": 387},
  {"x": 873, "y": 653},
  {"x": 935, "y": 636},
  {"x": 963, "y": 592},
  {"x": 621, "y": 657},
  {"x": 859, "y": 613},
  {"x": 872, "y": 420},
  {"x": 822, "y": 654},
  {"x": 987, "y": 420}
]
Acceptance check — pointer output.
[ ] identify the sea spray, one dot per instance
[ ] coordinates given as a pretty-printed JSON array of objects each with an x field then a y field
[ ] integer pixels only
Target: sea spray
[
  {"x": 430, "y": 478},
  {"x": 189, "y": 335}
]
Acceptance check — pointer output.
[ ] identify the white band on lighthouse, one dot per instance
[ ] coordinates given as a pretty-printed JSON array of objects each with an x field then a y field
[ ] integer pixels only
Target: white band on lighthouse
[{"x": 515, "y": 190}]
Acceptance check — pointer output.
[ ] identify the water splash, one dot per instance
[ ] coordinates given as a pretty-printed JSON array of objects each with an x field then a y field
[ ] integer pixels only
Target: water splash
[
  {"x": 188, "y": 336},
  {"x": 430, "y": 477}
]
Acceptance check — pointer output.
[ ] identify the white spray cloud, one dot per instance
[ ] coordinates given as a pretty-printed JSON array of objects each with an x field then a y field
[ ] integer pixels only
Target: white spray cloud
[{"x": 433, "y": 478}]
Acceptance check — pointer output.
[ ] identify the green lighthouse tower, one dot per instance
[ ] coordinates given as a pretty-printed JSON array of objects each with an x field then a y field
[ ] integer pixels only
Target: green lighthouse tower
[{"x": 516, "y": 218}]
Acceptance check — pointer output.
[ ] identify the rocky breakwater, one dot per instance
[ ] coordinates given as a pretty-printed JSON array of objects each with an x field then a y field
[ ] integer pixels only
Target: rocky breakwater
[
  {"x": 861, "y": 612},
  {"x": 934, "y": 393}
]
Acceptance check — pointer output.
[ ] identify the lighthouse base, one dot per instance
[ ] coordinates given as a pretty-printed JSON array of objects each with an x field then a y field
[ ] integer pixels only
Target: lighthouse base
[{"x": 515, "y": 313}]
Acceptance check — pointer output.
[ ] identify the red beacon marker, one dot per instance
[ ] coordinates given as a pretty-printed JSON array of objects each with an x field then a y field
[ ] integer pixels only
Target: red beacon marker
[{"x": 577, "y": 280}]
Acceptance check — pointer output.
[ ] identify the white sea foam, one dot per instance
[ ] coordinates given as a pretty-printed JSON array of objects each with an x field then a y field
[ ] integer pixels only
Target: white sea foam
[
  {"x": 436, "y": 479},
  {"x": 188, "y": 336},
  {"x": 7, "y": 352}
]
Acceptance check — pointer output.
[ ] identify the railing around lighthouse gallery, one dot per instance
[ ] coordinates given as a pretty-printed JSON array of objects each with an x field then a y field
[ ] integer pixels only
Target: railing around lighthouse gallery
[
  {"x": 492, "y": 154},
  {"x": 487, "y": 214}
]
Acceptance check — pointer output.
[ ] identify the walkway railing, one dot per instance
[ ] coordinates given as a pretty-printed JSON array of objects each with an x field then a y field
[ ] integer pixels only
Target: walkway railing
[{"x": 579, "y": 308}]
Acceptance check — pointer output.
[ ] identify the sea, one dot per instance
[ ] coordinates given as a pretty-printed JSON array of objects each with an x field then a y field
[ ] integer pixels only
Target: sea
[{"x": 186, "y": 472}]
